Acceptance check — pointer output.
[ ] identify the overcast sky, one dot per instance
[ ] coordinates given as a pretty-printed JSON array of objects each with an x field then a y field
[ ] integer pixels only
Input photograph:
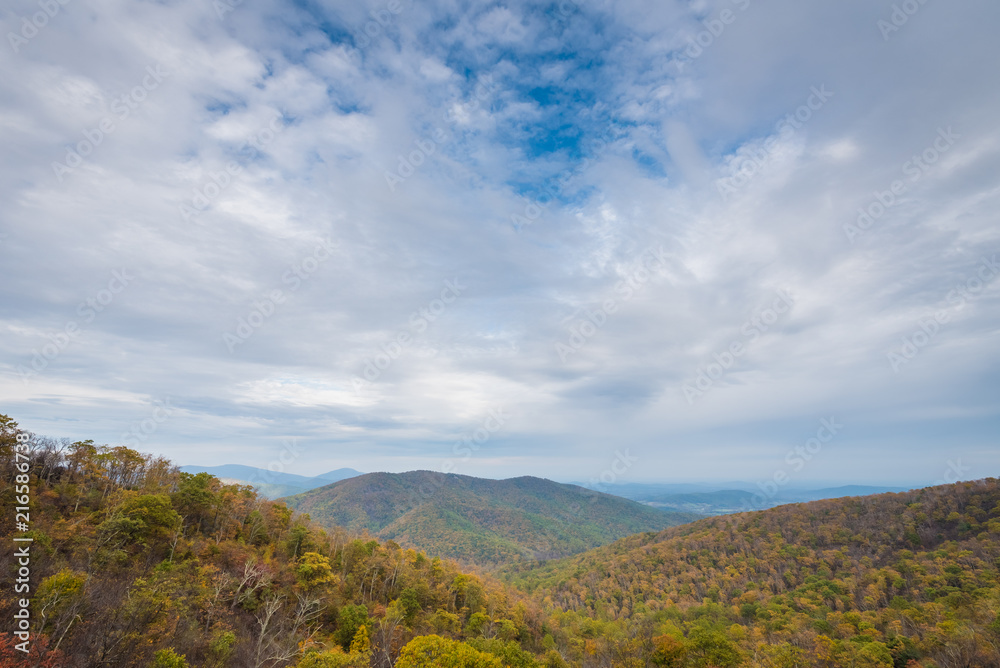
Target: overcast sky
[{"x": 572, "y": 240}]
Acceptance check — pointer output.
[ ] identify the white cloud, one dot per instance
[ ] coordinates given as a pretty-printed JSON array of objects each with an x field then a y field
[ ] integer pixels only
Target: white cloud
[{"x": 349, "y": 114}]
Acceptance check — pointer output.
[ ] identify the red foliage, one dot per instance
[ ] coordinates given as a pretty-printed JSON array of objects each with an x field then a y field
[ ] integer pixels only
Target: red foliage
[{"x": 38, "y": 656}]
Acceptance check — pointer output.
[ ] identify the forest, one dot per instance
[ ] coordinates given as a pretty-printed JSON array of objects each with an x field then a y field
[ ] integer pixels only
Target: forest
[
  {"x": 481, "y": 522},
  {"x": 136, "y": 564}
]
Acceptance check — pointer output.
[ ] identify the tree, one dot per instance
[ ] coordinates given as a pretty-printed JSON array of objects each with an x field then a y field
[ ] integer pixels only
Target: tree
[
  {"x": 361, "y": 644},
  {"x": 669, "y": 652},
  {"x": 350, "y": 618},
  {"x": 139, "y": 520},
  {"x": 712, "y": 649},
  {"x": 314, "y": 571},
  {"x": 59, "y": 599},
  {"x": 195, "y": 497},
  {"x": 333, "y": 659},
  {"x": 168, "y": 658},
  {"x": 38, "y": 656},
  {"x": 509, "y": 652},
  {"x": 440, "y": 652}
]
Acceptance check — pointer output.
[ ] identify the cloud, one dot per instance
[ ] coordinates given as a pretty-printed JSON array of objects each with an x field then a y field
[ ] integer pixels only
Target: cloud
[{"x": 412, "y": 147}]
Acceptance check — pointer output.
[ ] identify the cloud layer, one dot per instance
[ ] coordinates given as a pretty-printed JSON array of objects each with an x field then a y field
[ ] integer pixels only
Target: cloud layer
[{"x": 689, "y": 229}]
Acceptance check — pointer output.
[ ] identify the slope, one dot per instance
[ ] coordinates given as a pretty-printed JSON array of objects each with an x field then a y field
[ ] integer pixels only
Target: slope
[
  {"x": 479, "y": 520},
  {"x": 863, "y": 581}
]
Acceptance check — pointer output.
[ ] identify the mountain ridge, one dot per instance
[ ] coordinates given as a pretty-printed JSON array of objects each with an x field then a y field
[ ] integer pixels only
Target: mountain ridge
[{"x": 480, "y": 520}]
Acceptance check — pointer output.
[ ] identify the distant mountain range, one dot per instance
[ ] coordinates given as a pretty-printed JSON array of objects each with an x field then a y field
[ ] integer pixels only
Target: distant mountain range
[
  {"x": 479, "y": 520},
  {"x": 272, "y": 484},
  {"x": 738, "y": 497}
]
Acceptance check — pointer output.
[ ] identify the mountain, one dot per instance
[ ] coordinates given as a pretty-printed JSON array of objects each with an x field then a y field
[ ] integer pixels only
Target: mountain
[
  {"x": 840, "y": 492},
  {"x": 731, "y": 497},
  {"x": 875, "y": 581},
  {"x": 338, "y": 474},
  {"x": 479, "y": 520},
  {"x": 272, "y": 484},
  {"x": 135, "y": 565},
  {"x": 705, "y": 503}
]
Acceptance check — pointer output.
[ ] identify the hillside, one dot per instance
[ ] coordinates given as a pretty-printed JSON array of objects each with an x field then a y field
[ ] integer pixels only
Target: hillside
[
  {"x": 872, "y": 581},
  {"x": 135, "y": 564},
  {"x": 478, "y": 520}
]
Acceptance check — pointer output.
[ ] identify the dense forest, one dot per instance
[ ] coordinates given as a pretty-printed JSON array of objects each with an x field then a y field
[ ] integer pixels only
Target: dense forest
[
  {"x": 480, "y": 521},
  {"x": 893, "y": 580},
  {"x": 135, "y": 564}
]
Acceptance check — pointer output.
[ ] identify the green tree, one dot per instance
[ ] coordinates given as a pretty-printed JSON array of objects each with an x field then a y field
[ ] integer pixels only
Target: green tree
[
  {"x": 709, "y": 648},
  {"x": 875, "y": 655},
  {"x": 168, "y": 658},
  {"x": 195, "y": 497},
  {"x": 424, "y": 651},
  {"x": 333, "y": 659},
  {"x": 314, "y": 571},
  {"x": 409, "y": 602},
  {"x": 669, "y": 652},
  {"x": 350, "y": 619},
  {"x": 509, "y": 653}
]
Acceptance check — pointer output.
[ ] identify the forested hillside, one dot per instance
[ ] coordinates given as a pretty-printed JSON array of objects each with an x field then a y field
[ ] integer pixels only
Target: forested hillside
[
  {"x": 481, "y": 521},
  {"x": 135, "y": 564},
  {"x": 889, "y": 580}
]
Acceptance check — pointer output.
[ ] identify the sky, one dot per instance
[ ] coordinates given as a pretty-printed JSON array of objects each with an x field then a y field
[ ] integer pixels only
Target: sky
[{"x": 614, "y": 241}]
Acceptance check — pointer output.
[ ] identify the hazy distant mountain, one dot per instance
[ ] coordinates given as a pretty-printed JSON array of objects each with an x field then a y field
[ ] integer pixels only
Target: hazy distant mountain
[
  {"x": 845, "y": 490},
  {"x": 707, "y": 503},
  {"x": 339, "y": 474},
  {"x": 272, "y": 484},
  {"x": 474, "y": 519},
  {"x": 736, "y": 497}
]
